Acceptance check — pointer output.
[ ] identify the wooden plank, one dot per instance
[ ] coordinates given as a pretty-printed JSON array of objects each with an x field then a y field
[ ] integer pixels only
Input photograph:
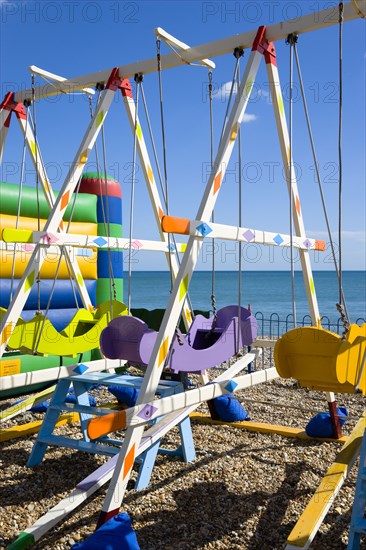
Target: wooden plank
[
  {"x": 201, "y": 229},
  {"x": 55, "y": 373},
  {"x": 30, "y": 428},
  {"x": 278, "y": 31},
  {"x": 310, "y": 520},
  {"x": 261, "y": 427}
]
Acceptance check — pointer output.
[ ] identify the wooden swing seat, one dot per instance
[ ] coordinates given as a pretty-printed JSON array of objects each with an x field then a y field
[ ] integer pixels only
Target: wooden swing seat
[
  {"x": 201, "y": 348},
  {"x": 81, "y": 334},
  {"x": 319, "y": 359}
]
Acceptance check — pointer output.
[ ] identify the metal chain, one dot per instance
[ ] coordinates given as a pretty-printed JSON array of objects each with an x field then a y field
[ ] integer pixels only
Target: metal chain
[
  {"x": 213, "y": 297},
  {"x": 340, "y": 305},
  {"x": 316, "y": 164},
  {"x": 291, "y": 40},
  {"x": 158, "y": 59}
]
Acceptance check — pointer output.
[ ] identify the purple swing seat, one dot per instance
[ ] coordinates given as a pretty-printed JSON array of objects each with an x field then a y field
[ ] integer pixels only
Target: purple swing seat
[{"x": 202, "y": 348}]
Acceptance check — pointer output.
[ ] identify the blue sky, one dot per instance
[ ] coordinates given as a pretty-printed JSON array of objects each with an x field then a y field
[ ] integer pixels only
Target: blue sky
[{"x": 75, "y": 38}]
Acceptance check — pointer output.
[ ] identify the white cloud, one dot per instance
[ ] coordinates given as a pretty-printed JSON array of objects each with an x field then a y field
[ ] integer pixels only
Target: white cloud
[
  {"x": 223, "y": 93},
  {"x": 248, "y": 118}
]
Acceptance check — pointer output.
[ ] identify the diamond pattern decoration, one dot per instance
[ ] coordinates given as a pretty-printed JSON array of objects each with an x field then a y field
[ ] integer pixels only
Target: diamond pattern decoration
[
  {"x": 248, "y": 235},
  {"x": 171, "y": 247},
  {"x": 230, "y": 386},
  {"x": 204, "y": 229},
  {"x": 28, "y": 247},
  {"x": 147, "y": 412},
  {"x": 307, "y": 243},
  {"x": 137, "y": 245},
  {"x": 100, "y": 241},
  {"x": 278, "y": 239},
  {"x": 80, "y": 369},
  {"x": 49, "y": 238}
]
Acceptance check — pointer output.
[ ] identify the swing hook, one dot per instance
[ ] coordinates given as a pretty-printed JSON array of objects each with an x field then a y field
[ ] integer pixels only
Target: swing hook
[
  {"x": 138, "y": 78},
  {"x": 238, "y": 52},
  {"x": 292, "y": 39}
]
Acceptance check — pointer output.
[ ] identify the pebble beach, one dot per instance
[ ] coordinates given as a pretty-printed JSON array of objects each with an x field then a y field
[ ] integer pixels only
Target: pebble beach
[{"x": 245, "y": 490}]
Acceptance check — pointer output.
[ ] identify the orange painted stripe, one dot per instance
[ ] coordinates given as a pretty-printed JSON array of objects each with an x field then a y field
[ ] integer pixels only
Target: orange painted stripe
[
  {"x": 129, "y": 460},
  {"x": 65, "y": 200},
  {"x": 102, "y": 425},
  {"x": 217, "y": 183},
  {"x": 298, "y": 207},
  {"x": 6, "y": 333},
  {"x": 320, "y": 245},
  {"x": 170, "y": 224}
]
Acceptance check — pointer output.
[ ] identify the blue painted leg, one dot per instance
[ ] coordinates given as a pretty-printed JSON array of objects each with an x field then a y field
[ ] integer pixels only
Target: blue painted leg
[
  {"x": 358, "y": 521},
  {"x": 146, "y": 468},
  {"x": 186, "y": 436},
  {"x": 48, "y": 424}
]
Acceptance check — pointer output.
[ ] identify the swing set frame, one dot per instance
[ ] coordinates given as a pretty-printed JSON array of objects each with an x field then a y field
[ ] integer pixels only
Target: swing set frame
[{"x": 261, "y": 45}]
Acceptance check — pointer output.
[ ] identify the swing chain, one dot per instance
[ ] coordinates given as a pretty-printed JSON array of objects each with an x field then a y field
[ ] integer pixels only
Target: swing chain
[
  {"x": 344, "y": 320},
  {"x": 179, "y": 339},
  {"x": 91, "y": 106},
  {"x": 210, "y": 84},
  {"x": 158, "y": 57}
]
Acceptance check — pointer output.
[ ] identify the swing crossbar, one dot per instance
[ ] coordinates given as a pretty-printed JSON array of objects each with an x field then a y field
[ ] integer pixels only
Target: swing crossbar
[
  {"x": 279, "y": 31},
  {"x": 199, "y": 229}
]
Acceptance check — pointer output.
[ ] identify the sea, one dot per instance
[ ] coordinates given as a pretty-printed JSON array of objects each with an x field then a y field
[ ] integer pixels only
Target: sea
[{"x": 269, "y": 293}]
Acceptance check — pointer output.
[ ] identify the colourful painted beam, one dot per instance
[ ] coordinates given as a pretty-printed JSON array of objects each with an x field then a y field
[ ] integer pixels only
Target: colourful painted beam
[
  {"x": 26, "y": 404},
  {"x": 146, "y": 412},
  {"x": 278, "y": 31},
  {"x": 309, "y": 522},
  {"x": 15, "y": 432},
  {"x": 261, "y": 427},
  {"x": 200, "y": 229},
  {"x": 85, "y": 241},
  {"x": 53, "y": 374}
]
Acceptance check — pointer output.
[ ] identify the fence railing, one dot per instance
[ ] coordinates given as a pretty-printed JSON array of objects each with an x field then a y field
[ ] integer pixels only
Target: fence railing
[{"x": 274, "y": 327}]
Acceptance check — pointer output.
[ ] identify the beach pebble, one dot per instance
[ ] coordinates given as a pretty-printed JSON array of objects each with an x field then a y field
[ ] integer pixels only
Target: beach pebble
[{"x": 245, "y": 490}]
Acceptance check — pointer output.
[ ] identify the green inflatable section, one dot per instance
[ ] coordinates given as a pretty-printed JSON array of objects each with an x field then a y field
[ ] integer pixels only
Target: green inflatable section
[
  {"x": 103, "y": 290},
  {"x": 114, "y": 229},
  {"x": 154, "y": 317},
  {"x": 85, "y": 207},
  {"x": 31, "y": 363}
]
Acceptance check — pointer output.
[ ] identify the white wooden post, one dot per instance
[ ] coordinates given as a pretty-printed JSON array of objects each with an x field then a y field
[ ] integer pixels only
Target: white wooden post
[
  {"x": 55, "y": 218},
  {"x": 36, "y": 157},
  {"x": 157, "y": 206},
  {"x": 133, "y": 435},
  {"x": 279, "y": 109}
]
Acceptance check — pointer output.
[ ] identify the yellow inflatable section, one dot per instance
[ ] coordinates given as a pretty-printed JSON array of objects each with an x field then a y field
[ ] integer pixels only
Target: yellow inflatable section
[
  {"x": 80, "y": 228},
  {"x": 39, "y": 336},
  {"x": 86, "y": 258},
  {"x": 321, "y": 360}
]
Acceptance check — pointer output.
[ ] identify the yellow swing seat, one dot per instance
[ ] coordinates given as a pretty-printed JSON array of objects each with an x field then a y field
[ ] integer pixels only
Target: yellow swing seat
[
  {"x": 319, "y": 359},
  {"x": 81, "y": 334}
]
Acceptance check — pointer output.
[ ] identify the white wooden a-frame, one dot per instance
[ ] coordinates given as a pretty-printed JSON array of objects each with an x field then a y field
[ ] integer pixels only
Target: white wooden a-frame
[{"x": 164, "y": 339}]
